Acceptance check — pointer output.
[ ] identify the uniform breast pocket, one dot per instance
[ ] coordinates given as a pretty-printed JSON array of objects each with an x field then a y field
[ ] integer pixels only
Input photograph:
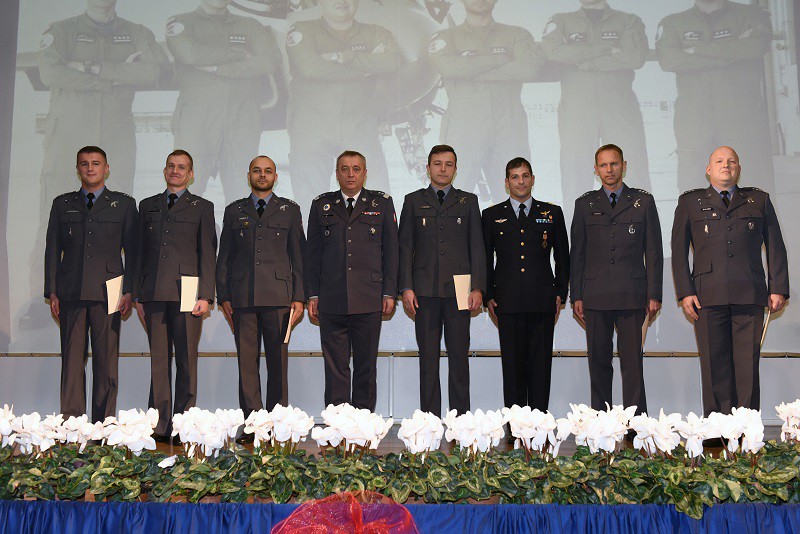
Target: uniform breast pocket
[
  {"x": 633, "y": 227},
  {"x": 277, "y": 230},
  {"x": 152, "y": 222},
  {"x": 330, "y": 226},
  {"x": 71, "y": 226},
  {"x": 594, "y": 226},
  {"x": 371, "y": 230},
  {"x": 187, "y": 226},
  {"x": 110, "y": 227},
  {"x": 425, "y": 221},
  {"x": 704, "y": 226},
  {"x": 240, "y": 229},
  {"x": 753, "y": 223}
]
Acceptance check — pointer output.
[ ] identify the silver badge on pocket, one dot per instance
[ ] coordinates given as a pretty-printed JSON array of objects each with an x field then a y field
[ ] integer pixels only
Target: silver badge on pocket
[
  {"x": 751, "y": 225},
  {"x": 631, "y": 230}
]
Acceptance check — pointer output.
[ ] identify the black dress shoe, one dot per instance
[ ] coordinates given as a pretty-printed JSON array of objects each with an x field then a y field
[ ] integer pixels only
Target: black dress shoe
[
  {"x": 167, "y": 440},
  {"x": 713, "y": 443},
  {"x": 629, "y": 435},
  {"x": 246, "y": 439}
]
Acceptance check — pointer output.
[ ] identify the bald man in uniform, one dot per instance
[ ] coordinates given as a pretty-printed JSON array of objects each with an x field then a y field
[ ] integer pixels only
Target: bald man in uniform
[{"x": 726, "y": 288}]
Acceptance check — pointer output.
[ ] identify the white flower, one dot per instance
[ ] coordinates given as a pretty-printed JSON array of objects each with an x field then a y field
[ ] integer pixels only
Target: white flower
[
  {"x": 694, "y": 430},
  {"x": 30, "y": 432},
  {"x": 753, "y": 433},
  {"x": 79, "y": 430},
  {"x": 291, "y": 425},
  {"x": 168, "y": 462},
  {"x": 356, "y": 427},
  {"x": 6, "y": 418},
  {"x": 259, "y": 423},
  {"x": 133, "y": 429},
  {"x": 203, "y": 429},
  {"x": 564, "y": 427},
  {"x": 532, "y": 427},
  {"x": 477, "y": 431},
  {"x": 580, "y": 416},
  {"x": 790, "y": 415},
  {"x": 422, "y": 433},
  {"x": 230, "y": 420},
  {"x": 607, "y": 429}
]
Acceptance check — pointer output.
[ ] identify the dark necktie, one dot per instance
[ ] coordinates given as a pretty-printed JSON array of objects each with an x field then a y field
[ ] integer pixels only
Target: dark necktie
[
  {"x": 725, "y": 194},
  {"x": 173, "y": 198},
  {"x": 89, "y": 200},
  {"x": 350, "y": 206},
  {"x": 440, "y": 194},
  {"x": 261, "y": 205},
  {"x": 613, "y": 200},
  {"x": 521, "y": 212}
]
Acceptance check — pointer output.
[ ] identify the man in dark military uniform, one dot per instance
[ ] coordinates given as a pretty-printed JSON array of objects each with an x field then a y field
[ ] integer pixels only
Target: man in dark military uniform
[
  {"x": 617, "y": 266},
  {"x": 441, "y": 236},
  {"x": 599, "y": 50},
  {"x": 335, "y": 62},
  {"x": 176, "y": 238},
  {"x": 725, "y": 290},
  {"x": 351, "y": 279},
  {"x": 716, "y": 50},
  {"x": 521, "y": 289},
  {"x": 483, "y": 65},
  {"x": 87, "y": 234},
  {"x": 259, "y": 279},
  {"x": 92, "y": 64},
  {"x": 221, "y": 64}
]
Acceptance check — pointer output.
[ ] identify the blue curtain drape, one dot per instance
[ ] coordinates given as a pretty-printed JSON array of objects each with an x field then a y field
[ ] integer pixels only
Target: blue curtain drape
[{"x": 153, "y": 518}]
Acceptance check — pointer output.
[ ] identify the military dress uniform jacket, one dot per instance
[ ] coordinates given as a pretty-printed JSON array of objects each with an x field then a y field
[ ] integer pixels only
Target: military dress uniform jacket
[
  {"x": 438, "y": 241},
  {"x": 351, "y": 261},
  {"x": 176, "y": 242},
  {"x": 84, "y": 246},
  {"x": 522, "y": 280},
  {"x": 616, "y": 259},
  {"x": 726, "y": 242},
  {"x": 260, "y": 260}
]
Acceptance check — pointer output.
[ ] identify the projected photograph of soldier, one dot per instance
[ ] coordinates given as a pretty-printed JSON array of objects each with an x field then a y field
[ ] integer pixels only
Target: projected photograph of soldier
[
  {"x": 92, "y": 63},
  {"x": 599, "y": 50},
  {"x": 483, "y": 65},
  {"x": 716, "y": 50},
  {"x": 222, "y": 61},
  {"x": 336, "y": 63}
]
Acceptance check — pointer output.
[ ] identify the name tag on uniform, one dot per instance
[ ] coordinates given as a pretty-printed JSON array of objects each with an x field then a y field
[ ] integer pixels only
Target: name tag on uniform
[
  {"x": 599, "y": 213},
  {"x": 237, "y": 39},
  {"x": 692, "y": 36},
  {"x": 122, "y": 39},
  {"x": 359, "y": 48},
  {"x": 499, "y": 50},
  {"x": 722, "y": 34},
  {"x": 709, "y": 208},
  {"x": 83, "y": 38},
  {"x": 610, "y": 35}
]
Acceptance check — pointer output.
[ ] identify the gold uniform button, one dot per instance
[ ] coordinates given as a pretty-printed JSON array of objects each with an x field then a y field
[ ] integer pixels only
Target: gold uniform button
[
  {"x": 522, "y": 257},
  {"x": 522, "y": 231},
  {"x": 522, "y": 270},
  {"x": 522, "y": 244}
]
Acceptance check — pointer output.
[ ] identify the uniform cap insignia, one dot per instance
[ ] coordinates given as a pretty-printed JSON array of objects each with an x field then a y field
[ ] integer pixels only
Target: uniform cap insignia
[
  {"x": 637, "y": 203},
  {"x": 114, "y": 204},
  {"x": 750, "y": 200},
  {"x": 374, "y": 203},
  {"x": 283, "y": 208},
  {"x": 463, "y": 200},
  {"x": 195, "y": 202}
]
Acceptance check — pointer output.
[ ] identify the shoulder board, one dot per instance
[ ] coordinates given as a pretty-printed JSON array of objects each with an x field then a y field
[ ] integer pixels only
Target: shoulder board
[
  {"x": 68, "y": 194},
  {"x": 123, "y": 194},
  {"x": 236, "y": 202},
  {"x": 379, "y": 193},
  {"x": 329, "y": 194},
  {"x": 693, "y": 191},
  {"x": 586, "y": 194},
  {"x": 290, "y": 201},
  {"x": 640, "y": 191},
  {"x": 751, "y": 189}
]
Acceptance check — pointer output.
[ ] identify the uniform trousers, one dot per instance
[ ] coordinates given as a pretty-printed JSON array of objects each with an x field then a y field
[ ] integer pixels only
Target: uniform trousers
[
  {"x": 599, "y": 337},
  {"x": 168, "y": 328},
  {"x": 271, "y": 322},
  {"x": 526, "y": 353},
  {"x": 341, "y": 334},
  {"x": 728, "y": 339},
  {"x": 434, "y": 313},
  {"x": 79, "y": 320}
]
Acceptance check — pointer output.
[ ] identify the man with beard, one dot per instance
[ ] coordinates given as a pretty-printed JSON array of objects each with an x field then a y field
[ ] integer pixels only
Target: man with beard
[
  {"x": 335, "y": 63},
  {"x": 716, "y": 50},
  {"x": 221, "y": 64},
  {"x": 483, "y": 65},
  {"x": 259, "y": 280},
  {"x": 599, "y": 50},
  {"x": 177, "y": 239}
]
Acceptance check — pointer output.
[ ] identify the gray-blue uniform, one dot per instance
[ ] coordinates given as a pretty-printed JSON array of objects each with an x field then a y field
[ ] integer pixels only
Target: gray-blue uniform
[
  {"x": 728, "y": 278},
  {"x": 84, "y": 250},
  {"x": 351, "y": 265},
  {"x": 437, "y": 241},
  {"x": 616, "y": 265},
  {"x": 260, "y": 272}
]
